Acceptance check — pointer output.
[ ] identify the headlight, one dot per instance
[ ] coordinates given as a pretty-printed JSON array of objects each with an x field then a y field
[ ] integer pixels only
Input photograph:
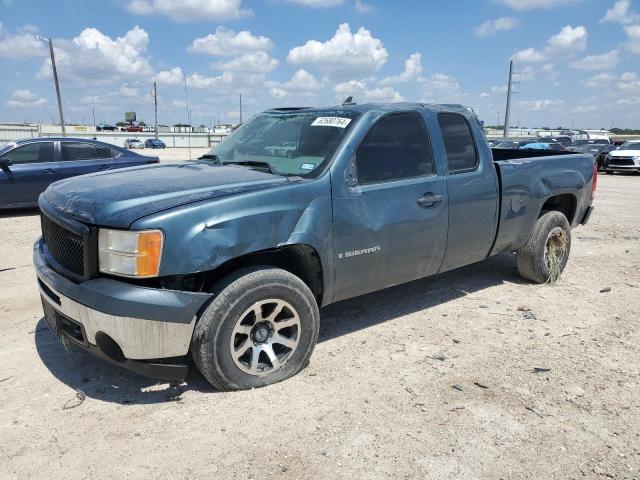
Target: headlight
[{"x": 130, "y": 253}]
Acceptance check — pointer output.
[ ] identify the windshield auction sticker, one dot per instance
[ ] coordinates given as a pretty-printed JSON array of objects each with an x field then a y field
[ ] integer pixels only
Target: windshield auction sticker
[{"x": 331, "y": 122}]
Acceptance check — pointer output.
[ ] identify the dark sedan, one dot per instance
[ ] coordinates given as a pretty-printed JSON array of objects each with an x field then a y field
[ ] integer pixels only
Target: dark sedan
[
  {"x": 154, "y": 143},
  {"x": 29, "y": 166}
]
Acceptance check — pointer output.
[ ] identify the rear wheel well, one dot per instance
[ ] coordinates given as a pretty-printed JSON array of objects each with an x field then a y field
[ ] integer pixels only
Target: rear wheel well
[
  {"x": 565, "y": 203},
  {"x": 302, "y": 261}
]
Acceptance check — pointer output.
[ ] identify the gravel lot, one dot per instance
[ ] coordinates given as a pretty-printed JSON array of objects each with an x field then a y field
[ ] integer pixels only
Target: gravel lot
[{"x": 432, "y": 380}]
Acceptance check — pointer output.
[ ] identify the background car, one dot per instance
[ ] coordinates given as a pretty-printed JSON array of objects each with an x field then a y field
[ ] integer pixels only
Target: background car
[
  {"x": 604, "y": 151},
  {"x": 154, "y": 143},
  {"x": 625, "y": 158},
  {"x": 103, "y": 127},
  {"x": 28, "y": 167},
  {"x": 518, "y": 143},
  {"x": 131, "y": 143},
  {"x": 554, "y": 146}
]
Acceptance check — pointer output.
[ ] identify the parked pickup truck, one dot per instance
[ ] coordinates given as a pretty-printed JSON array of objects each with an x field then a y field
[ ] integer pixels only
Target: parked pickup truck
[{"x": 229, "y": 258}]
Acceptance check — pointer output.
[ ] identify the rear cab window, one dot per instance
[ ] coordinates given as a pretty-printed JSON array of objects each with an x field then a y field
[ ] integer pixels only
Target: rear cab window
[{"x": 459, "y": 143}]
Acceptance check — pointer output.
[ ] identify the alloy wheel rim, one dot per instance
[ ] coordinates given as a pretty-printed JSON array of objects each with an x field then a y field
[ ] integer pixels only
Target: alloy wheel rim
[{"x": 265, "y": 337}]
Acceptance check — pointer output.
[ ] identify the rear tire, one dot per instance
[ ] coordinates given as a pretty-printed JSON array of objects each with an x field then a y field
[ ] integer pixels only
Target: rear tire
[
  {"x": 543, "y": 258},
  {"x": 260, "y": 329}
]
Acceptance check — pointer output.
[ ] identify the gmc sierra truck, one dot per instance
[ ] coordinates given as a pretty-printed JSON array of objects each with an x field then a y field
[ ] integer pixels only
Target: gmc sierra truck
[{"x": 228, "y": 259}]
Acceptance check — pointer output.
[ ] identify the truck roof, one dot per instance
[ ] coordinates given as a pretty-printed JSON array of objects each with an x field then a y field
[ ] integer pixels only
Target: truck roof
[{"x": 381, "y": 107}]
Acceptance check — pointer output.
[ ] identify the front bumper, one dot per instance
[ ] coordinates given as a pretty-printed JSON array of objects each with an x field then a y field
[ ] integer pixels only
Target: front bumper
[{"x": 145, "y": 323}]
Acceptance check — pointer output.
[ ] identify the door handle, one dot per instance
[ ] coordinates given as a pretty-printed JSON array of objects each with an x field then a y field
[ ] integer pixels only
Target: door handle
[
  {"x": 48, "y": 171},
  {"x": 429, "y": 200},
  {"x": 104, "y": 166}
]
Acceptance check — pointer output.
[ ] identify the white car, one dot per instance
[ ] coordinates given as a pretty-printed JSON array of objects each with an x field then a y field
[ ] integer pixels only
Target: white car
[
  {"x": 625, "y": 159},
  {"x": 133, "y": 143}
]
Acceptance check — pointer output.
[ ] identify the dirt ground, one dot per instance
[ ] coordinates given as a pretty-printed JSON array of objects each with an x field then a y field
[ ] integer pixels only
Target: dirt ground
[{"x": 436, "y": 379}]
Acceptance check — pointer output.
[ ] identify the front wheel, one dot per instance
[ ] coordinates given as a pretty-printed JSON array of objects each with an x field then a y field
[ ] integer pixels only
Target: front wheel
[
  {"x": 260, "y": 328},
  {"x": 543, "y": 258}
]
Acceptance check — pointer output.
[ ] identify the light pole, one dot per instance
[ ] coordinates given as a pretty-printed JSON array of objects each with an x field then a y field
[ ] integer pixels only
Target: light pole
[{"x": 55, "y": 79}]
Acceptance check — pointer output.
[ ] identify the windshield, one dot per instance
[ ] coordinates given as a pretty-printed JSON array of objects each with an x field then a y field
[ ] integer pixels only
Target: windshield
[
  {"x": 630, "y": 146},
  {"x": 297, "y": 143}
]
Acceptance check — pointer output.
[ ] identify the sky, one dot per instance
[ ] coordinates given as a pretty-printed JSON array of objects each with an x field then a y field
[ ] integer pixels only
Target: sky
[{"x": 576, "y": 62}]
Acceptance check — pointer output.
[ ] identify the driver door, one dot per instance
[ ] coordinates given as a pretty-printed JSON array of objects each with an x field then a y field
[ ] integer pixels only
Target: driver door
[{"x": 32, "y": 171}]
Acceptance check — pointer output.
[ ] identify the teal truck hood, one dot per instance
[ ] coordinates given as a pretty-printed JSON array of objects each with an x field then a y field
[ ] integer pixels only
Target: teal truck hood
[{"x": 120, "y": 197}]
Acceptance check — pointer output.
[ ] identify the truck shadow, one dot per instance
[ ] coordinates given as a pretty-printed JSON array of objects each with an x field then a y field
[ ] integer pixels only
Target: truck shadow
[{"x": 100, "y": 380}]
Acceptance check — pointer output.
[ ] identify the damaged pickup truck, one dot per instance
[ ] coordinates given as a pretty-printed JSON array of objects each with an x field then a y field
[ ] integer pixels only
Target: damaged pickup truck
[{"x": 229, "y": 259}]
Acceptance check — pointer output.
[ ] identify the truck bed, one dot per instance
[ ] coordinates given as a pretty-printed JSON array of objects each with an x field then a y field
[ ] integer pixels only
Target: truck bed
[{"x": 527, "y": 179}]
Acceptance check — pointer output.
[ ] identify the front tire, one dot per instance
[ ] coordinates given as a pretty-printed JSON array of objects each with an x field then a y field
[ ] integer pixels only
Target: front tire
[
  {"x": 260, "y": 329},
  {"x": 543, "y": 258}
]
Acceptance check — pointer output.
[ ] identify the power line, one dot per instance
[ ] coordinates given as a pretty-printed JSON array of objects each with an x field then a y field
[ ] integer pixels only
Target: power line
[{"x": 20, "y": 67}]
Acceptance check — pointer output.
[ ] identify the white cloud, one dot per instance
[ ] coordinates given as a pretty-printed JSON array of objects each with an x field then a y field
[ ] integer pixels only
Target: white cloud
[
  {"x": 129, "y": 92},
  {"x": 493, "y": 26},
  {"x": 540, "y": 105},
  {"x": 97, "y": 57},
  {"x": 190, "y": 10},
  {"x": 440, "y": 88},
  {"x": 633, "y": 38},
  {"x": 412, "y": 70},
  {"x": 528, "y": 55},
  {"x": 277, "y": 92},
  {"x": 629, "y": 83},
  {"x": 522, "y": 5},
  {"x": 499, "y": 90},
  {"x": 25, "y": 99},
  {"x": 227, "y": 43},
  {"x": 362, "y": 93},
  {"x": 301, "y": 83},
  {"x": 255, "y": 62},
  {"x": 21, "y": 44},
  {"x": 344, "y": 53},
  {"x": 621, "y": 13},
  {"x": 179, "y": 103},
  {"x": 362, "y": 7},
  {"x": 629, "y": 101},
  {"x": 317, "y": 3},
  {"x": 604, "y": 61},
  {"x": 173, "y": 76},
  {"x": 199, "y": 81},
  {"x": 599, "y": 81},
  {"x": 567, "y": 41}
]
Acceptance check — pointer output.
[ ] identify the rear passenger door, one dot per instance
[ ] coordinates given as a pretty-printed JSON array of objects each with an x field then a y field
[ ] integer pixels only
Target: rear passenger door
[
  {"x": 390, "y": 214},
  {"x": 472, "y": 189},
  {"x": 34, "y": 168},
  {"x": 79, "y": 158}
]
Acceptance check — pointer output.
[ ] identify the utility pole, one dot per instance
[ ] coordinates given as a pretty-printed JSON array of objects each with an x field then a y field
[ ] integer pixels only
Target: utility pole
[
  {"x": 93, "y": 112},
  {"x": 55, "y": 79},
  {"x": 186, "y": 101},
  {"x": 507, "y": 115},
  {"x": 155, "y": 105},
  {"x": 240, "y": 109}
]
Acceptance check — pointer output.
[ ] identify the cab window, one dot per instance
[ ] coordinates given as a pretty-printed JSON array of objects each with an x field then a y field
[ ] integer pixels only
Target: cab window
[
  {"x": 31, "y": 153},
  {"x": 395, "y": 148}
]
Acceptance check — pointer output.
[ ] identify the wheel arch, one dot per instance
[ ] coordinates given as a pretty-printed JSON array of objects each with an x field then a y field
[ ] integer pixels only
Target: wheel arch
[
  {"x": 565, "y": 203},
  {"x": 301, "y": 260}
]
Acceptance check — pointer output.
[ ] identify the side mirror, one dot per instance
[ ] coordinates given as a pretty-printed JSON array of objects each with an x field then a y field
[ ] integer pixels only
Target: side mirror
[
  {"x": 5, "y": 163},
  {"x": 351, "y": 173}
]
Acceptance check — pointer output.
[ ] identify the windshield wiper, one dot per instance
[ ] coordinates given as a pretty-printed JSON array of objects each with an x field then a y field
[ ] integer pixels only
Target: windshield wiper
[{"x": 252, "y": 163}]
